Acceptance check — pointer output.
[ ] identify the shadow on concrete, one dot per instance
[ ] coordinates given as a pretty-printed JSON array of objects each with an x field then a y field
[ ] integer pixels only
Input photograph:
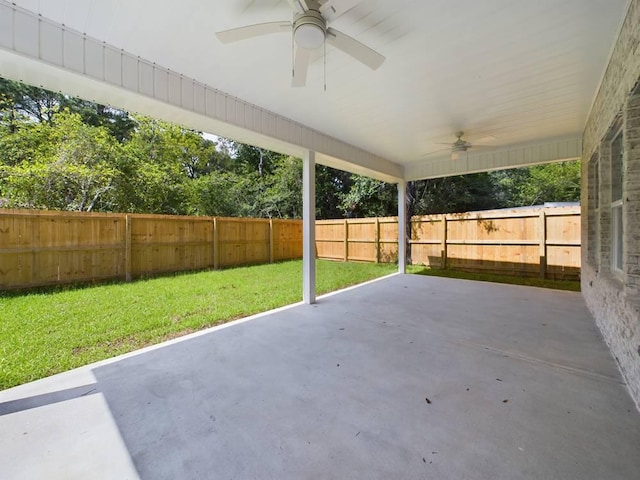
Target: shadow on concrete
[{"x": 36, "y": 401}]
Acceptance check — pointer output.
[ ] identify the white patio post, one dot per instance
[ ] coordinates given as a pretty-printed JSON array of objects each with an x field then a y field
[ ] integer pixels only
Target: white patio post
[
  {"x": 309, "y": 228},
  {"x": 402, "y": 226}
]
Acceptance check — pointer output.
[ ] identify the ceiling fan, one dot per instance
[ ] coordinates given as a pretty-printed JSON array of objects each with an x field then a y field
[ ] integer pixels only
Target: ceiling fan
[
  {"x": 310, "y": 32},
  {"x": 460, "y": 146}
]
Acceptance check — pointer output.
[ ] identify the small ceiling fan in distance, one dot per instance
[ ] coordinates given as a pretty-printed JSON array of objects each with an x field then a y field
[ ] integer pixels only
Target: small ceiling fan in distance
[
  {"x": 460, "y": 146},
  {"x": 310, "y": 32}
]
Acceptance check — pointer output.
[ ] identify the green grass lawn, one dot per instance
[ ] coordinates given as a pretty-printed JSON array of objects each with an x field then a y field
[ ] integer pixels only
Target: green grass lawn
[{"x": 54, "y": 330}]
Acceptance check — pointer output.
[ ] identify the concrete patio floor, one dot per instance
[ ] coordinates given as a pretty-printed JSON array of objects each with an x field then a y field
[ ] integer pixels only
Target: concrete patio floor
[{"x": 408, "y": 377}]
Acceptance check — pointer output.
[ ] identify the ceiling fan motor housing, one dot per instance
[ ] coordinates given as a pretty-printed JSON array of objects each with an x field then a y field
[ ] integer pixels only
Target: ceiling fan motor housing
[
  {"x": 309, "y": 30},
  {"x": 460, "y": 145}
]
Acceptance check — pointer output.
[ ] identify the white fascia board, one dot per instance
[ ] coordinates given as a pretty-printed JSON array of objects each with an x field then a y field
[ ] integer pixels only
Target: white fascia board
[
  {"x": 555, "y": 150},
  {"x": 44, "y": 53}
]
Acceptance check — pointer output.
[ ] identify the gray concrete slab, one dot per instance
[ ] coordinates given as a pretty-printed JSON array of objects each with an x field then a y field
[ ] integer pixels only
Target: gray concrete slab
[{"x": 408, "y": 377}]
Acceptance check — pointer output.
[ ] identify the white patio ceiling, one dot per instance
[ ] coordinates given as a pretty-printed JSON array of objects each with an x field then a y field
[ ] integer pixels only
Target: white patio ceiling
[{"x": 524, "y": 72}]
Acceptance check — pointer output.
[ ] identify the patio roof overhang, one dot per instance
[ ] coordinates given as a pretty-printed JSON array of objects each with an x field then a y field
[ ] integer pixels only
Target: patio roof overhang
[{"x": 524, "y": 73}]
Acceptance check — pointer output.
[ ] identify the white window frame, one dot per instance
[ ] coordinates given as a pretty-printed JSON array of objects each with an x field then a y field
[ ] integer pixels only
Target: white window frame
[
  {"x": 597, "y": 240},
  {"x": 617, "y": 233},
  {"x": 617, "y": 219}
]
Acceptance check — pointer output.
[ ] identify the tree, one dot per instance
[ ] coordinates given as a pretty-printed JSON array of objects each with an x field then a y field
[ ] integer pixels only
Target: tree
[
  {"x": 31, "y": 102},
  {"x": 152, "y": 174},
  {"x": 20, "y": 102},
  {"x": 331, "y": 186},
  {"x": 553, "y": 182},
  {"x": 368, "y": 197},
  {"x": 461, "y": 193},
  {"x": 70, "y": 167},
  {"x": 255, "y": 159},
  {"x": 118, "y": 122},
  {"x": 283, "y": 195},
  {"x": 218, "y": 194}
]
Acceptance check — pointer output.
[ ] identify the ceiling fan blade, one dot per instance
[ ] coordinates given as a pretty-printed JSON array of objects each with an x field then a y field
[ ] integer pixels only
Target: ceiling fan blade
[
  {"x": 357, "y": 50},
  {"x": 436, "y": 151},
  {"x": 300, "y": 67},
  {"x": 332, "y": 9},
  {"x": 250, "y": 31},
  {"x": 299, "y": 6},
  {"x": 483, "y": 140}
]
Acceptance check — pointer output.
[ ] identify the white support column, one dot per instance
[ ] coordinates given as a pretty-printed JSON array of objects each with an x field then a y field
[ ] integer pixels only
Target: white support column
[
  {"x": 402, "y": 226},
  {"x": 309, "y": 228}
]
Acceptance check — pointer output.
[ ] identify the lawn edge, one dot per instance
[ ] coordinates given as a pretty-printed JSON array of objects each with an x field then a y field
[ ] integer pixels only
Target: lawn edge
[{"x": 85, "y": 372}]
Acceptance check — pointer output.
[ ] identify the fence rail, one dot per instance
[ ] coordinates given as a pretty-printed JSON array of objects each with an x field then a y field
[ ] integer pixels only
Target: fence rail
[{"x": 40, "y": 248}]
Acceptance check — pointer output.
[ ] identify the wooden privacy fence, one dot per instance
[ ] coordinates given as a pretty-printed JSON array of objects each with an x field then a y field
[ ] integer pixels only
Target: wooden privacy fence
[
  {"x": 44, "y": 248},
  {"x": 358, "y": 239},
  {"x": 530, "y": 242},
  {"x": 541, "y": 242}
]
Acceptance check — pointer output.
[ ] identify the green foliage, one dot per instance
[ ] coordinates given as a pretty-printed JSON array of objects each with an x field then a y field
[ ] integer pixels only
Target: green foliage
[
  {"x": 462, "y": 193},
  {"x": 255, "y": 159},
  {"x": 331, "y": 186},
  {"x": 554, "y": 182},
  {"x": 153, "y": 178},
  {"x": 70, "y": 167},
  {"x": 283, "y": 193},
  {"x": 224, "y": 194},
  {"x": 20, "y": 102},
  {"x": 369, "y": 198}
]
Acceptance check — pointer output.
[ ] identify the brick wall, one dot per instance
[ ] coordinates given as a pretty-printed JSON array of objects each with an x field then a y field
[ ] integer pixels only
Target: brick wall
[{"x": 612, "y": 296}]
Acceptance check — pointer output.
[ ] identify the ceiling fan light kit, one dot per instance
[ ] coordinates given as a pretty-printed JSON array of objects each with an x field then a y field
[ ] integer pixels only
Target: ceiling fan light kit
[{"x": 310, "y": 32}]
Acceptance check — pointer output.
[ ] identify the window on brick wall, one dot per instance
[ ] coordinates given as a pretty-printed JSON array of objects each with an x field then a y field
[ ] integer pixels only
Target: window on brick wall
[
  {"x": 617, "y": 226},
  {"x": 594, "y": 179}
]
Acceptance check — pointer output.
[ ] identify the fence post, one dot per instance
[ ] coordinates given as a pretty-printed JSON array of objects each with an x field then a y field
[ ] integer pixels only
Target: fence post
[
  {"x": 443, "y": 262},
  {"x": 216, "y": 246},
  {"x": 127, "y": 248},
  {"x": 377, "y": 238},
  {"x": 542, "y": 231},
  {"x": 271, "y": 240},
  {"x": 346, "y": 240}
]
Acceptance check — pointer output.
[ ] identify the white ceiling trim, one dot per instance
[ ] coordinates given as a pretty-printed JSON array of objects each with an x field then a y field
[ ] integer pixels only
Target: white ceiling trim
[
  {"x": 500, "y": 159},
  {"x": 44, "y": 53}
]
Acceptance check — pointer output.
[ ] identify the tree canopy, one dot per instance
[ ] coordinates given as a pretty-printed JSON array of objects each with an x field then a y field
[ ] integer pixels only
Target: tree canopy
[{"x": 60, "y": 152}]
